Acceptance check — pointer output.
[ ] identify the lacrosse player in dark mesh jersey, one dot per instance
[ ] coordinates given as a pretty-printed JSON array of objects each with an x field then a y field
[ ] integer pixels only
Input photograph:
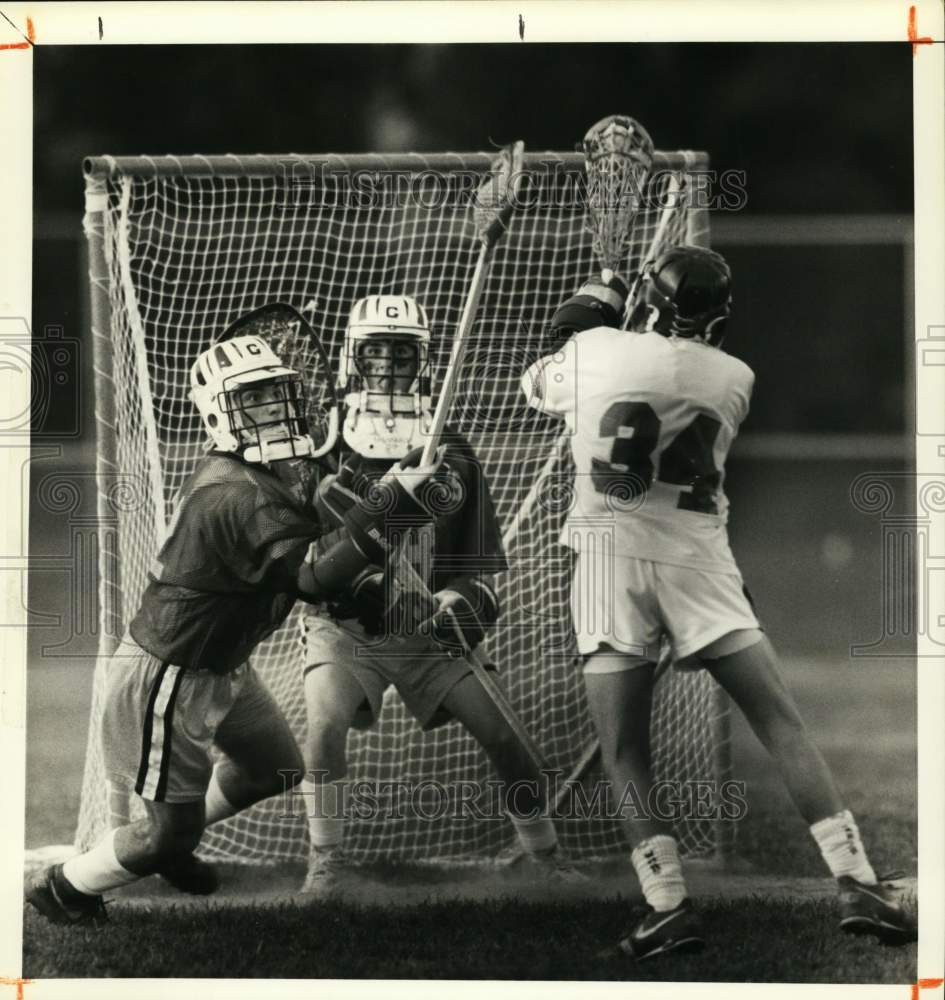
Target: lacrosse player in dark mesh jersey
[
  {"x": 236, "y": 556},
  {"x": 356, "y": 646}
]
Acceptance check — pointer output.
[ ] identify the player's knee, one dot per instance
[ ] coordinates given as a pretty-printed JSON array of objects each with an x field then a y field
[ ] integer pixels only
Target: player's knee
[
  {"x": 326, "y": 733},
  {"x": 787, "y": 727},
  {"x": 288, "y": 771},
  {"x": 288, "y": 778},
  {"x": 503, "y": 747},
  {"x": 171, "y": 838},
  {"x": 280, "y": 770}
]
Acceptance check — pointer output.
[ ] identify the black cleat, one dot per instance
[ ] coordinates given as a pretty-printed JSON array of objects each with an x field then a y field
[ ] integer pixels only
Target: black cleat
[
  {"x": 50, "y": 892},
  {"x": 189, "y": 874},
  {"x": 872, "y": 909},
  {"x": 660, "y": 932}
]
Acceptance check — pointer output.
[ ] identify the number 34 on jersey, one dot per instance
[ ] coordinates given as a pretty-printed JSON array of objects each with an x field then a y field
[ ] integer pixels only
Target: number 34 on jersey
[{"x": 650, "y": 421}]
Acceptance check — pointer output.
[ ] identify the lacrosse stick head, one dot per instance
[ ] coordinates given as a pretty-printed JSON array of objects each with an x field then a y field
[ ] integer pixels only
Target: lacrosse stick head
[
  {"x": 497, "y": 196},
  {"x": 293, "y": 340},
  {"x": 618, "y": 155}
]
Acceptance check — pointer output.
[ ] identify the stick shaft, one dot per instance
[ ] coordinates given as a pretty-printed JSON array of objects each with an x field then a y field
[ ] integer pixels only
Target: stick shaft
[
  {"x": 409, "y": 577},
  {"x": 585, "y": 762},
  {"x": 458, "y": 352},
  {"x": 666, "y": 215}
]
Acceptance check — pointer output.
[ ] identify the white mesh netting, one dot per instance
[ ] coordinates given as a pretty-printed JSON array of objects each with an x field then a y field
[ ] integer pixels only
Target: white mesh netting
[{"x": 179, "y": 249}]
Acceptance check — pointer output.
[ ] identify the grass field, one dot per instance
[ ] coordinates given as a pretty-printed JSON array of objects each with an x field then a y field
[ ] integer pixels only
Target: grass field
[{"x": 861, "y": 712}]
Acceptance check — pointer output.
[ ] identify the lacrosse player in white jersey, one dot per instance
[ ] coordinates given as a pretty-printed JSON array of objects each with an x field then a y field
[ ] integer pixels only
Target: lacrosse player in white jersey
[{"x": 651, "y": 413}]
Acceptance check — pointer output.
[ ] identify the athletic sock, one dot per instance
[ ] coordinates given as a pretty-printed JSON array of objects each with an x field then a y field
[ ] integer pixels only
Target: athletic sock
[
  {"x": 324, "y": 810},
  {"x": 657, "y": 865},
  {"x": 536, "y": 835},
  {"x": 98, "y": 870},
  {"x": 216, "y": 804},
  {"x": 839, "y": 841}
]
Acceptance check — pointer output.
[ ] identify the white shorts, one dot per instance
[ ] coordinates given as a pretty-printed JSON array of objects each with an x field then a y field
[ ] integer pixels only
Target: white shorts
[
  {"x": 160, "y": 722},
  {"x": 631, "y": 604}
]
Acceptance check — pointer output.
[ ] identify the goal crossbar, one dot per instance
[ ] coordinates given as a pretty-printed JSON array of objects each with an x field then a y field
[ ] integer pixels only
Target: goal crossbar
[{"x": 276, "y": 164}]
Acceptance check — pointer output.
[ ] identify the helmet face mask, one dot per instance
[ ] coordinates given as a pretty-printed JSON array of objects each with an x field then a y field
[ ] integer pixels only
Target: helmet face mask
[
  {"x": 388, "y": 365},
  {"x": 250, "y": 403},
  {"x": 265, "y": 411},
  {"x": 384, "y": 375},
  {"x": 686, "y": 293}
]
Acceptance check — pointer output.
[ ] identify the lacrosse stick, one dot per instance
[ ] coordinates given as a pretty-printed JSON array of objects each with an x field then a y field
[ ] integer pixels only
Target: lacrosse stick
[
  {"x": 495, "y": 201},
  {"x": 407, "y": 578},
  {"x": 589, "y": 758},
  {"x": 493, "y": 205},
  {"x": 656, "y": 244},
  {"x": 618, "y": 155}
]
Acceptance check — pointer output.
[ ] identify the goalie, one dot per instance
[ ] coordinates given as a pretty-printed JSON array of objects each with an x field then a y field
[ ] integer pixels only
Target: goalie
[
  {"x": 358, "y": 645},
  {"x": 226, "y": 577}
]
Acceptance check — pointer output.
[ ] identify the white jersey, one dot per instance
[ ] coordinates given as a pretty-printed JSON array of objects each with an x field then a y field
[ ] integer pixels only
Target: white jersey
[{"x": 651, "y": 420}]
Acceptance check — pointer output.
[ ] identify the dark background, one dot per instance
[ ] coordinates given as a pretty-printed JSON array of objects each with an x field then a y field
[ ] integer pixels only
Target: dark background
[{"x": 820, "y": 130}]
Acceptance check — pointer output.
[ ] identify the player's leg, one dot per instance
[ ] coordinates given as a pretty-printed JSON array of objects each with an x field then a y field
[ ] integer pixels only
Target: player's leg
[
  {"x": 525, "y": 802},
  {"x": 619, "y": 689},
  {"x": 71, "y": 892},
  {"x": 751, "y": 678},
  {"x": 712, "y": 622},
  {"x": 156, "y": 738},
  {"x": 712, "y": 619},
  {"x": 341, "y": 692},
  {"x": 262, "y": 757},
  {"x": 620, "y": 696},
  {"x": 619, "y": 626}
]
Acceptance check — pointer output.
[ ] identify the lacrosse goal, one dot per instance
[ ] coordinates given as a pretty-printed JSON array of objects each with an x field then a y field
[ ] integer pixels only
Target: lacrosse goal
[{"x": 182, "y": 246}]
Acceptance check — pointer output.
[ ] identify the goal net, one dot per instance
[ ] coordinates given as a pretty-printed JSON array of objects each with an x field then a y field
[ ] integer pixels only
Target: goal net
[{"x": 181, "y": 247}]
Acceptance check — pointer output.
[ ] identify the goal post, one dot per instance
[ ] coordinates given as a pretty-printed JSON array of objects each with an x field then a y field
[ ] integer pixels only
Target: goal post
[{"x": 182, "y": 246}]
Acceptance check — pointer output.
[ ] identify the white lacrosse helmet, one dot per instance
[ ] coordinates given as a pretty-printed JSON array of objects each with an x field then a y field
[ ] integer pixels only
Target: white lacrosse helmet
[
  {"x": 250, "y": 403},
  {"x": 385, "y": 377}
]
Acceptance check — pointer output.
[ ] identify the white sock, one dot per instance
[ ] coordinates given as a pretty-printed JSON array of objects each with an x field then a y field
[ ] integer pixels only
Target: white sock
[
  {"x": 216, "y": 803},
  {"x": 537, "y": 835},
  {"x": 98, "y": 870},
  {"x": 839, "y": 841},
  {"x": 658, "y": 868},
  {"x": 324, "y": 809}
]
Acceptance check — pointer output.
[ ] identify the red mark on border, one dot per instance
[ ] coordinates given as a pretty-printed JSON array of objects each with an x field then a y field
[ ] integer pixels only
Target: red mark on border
[
  {"x": 925, "y": 984},
  {"x": 30, "y": 38},
  {"x": 914, "y": 35},
  {"x": 18, "y": 983}
]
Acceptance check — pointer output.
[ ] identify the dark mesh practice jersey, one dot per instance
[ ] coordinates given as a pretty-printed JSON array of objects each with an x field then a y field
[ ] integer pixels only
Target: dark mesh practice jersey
[
  {"x": 226, "y": 577},
  {"x": 467, "y": 538}
]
